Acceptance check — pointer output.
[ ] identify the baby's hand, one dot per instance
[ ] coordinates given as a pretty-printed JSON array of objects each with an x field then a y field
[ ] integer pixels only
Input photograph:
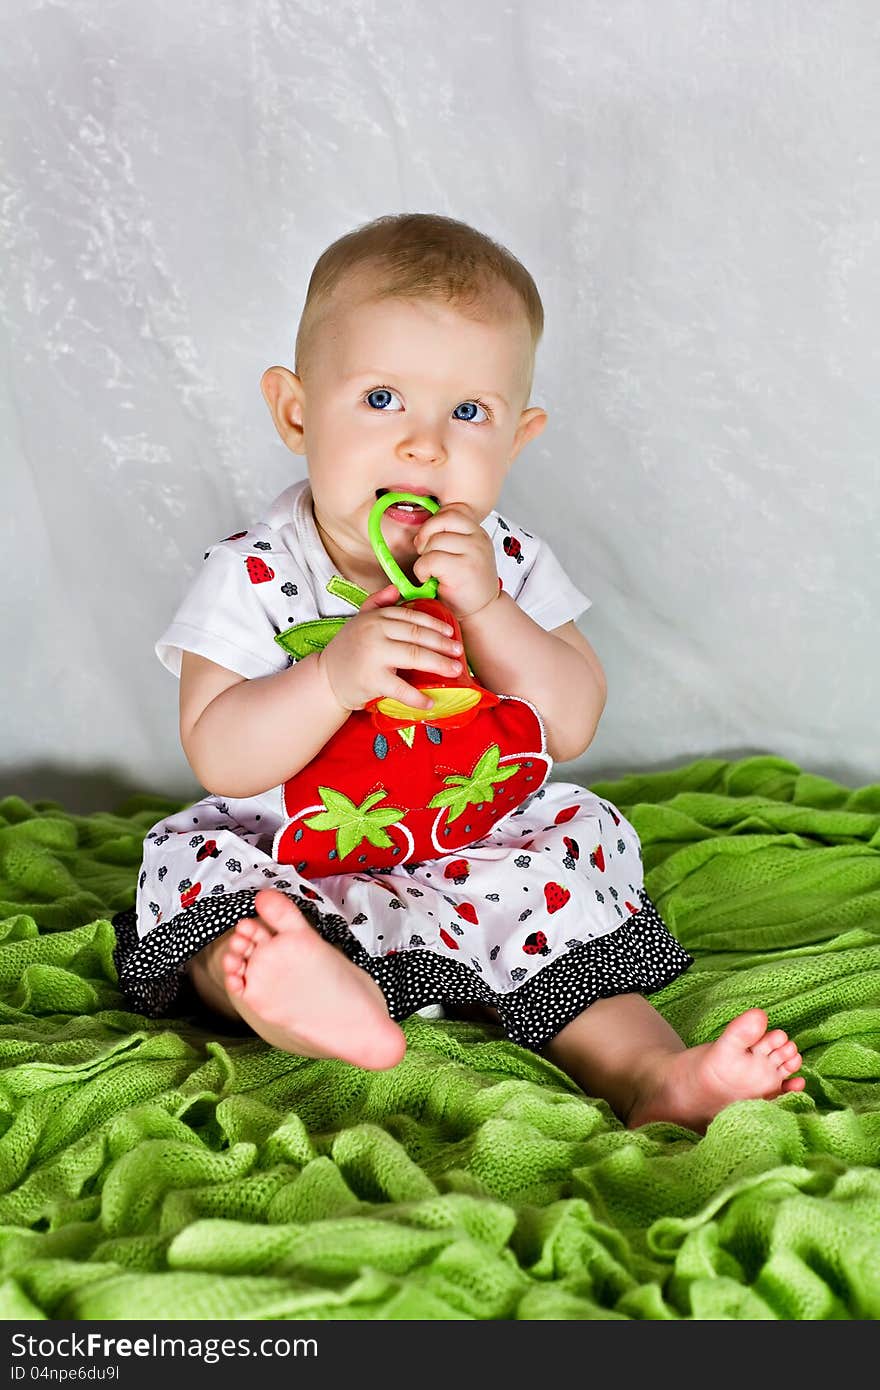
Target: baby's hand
[
  {"x": 361, "y": 662},
  {"x": 454, "y": 548}
]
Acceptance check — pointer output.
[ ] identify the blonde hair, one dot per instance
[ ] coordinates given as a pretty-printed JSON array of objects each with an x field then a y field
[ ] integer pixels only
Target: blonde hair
[{"x": 421, "y": 255}]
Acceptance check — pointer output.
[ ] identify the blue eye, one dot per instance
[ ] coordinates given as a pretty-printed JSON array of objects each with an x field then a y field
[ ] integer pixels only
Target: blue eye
[
  {"x": 379, "y": 397},
  {"x": 469, "y": 405}
]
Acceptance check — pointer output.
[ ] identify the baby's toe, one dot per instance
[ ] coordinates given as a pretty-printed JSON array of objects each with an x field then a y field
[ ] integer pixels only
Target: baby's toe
[
  {"x": 279, "y": 910},
  {"x": 238, "y": 948},
  {"x": 250, "y": 929},
  {"x": 233, "y": 971},
  {"x": 744, "y": 1031},
  {"x": 794, "y": 1083},
  {"x": 791, "y": 1062},
  {"x": 246, "y": 936},
  {"x": 769, "y": 1043}
]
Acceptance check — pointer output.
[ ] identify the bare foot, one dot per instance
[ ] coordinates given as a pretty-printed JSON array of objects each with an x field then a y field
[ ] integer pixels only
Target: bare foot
[
  {"x": 746, "y": 1063},
  {"x": 301, "y": 994}
]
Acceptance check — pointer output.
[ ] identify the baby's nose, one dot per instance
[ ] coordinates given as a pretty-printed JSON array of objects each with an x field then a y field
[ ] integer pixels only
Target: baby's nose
[{"x": 423, "y": 443}]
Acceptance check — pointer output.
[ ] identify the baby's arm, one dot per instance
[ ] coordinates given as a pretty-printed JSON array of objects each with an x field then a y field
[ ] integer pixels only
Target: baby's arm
[
  {"x": 242, "y": 737},
  {"x": 558, "y": 672}
]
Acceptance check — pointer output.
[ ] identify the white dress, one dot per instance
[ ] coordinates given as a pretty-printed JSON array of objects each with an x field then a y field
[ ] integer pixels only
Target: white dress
[{"x": 540, "y": 917}]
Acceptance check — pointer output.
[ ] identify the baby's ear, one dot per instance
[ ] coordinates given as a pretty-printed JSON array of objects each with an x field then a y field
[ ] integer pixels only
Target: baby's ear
[
  {"x": 284, "y": 394},
  {"x": 531, "y": 423}
]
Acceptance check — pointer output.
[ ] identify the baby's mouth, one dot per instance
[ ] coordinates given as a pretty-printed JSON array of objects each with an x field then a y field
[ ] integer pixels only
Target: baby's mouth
[{"x": 407, "y": 506}]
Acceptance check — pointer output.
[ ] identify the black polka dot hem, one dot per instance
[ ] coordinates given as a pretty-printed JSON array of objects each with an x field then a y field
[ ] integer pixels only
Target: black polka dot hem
[{"x": 640, "y": 956}]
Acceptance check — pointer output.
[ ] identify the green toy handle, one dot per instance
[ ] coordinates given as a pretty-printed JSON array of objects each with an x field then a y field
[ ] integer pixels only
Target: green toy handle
[{"x": 383, "y": 554}]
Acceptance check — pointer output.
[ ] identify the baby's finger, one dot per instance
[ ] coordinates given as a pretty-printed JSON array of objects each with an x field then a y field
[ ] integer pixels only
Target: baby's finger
[
  {"x": 408, "y": 695},
  {"x": 417, "y": 636},
  {"x": 411, "y": 656},
  {"x": 435, "y": 563},
  {"x": 382, "y": 598},
  {"x": 416, "y": 617},
  {"x": 454, "y": 542},
  {"x": 460, "y": 523}
]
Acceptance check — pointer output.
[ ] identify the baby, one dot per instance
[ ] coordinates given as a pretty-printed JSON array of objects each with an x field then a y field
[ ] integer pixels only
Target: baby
[{"x": 414, "y": 365}]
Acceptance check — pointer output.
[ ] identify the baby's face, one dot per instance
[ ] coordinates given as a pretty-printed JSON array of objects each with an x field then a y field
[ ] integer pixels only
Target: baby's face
[{"x": 410, "y": 396}]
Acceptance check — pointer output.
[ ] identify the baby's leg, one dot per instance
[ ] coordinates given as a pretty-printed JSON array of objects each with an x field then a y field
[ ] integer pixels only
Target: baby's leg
[
  {"x": 623, "y": 1050},
  {"x": 295, "y": 990}
]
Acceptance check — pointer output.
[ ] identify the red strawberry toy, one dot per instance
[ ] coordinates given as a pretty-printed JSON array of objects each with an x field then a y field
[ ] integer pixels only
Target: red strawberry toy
[
  {"x": 372, "y": 799},
  {"x": 398, "y": 783}
]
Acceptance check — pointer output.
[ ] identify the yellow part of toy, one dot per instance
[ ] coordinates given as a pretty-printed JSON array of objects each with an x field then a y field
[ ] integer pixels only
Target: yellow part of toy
[{"x": 448, "y": 700}]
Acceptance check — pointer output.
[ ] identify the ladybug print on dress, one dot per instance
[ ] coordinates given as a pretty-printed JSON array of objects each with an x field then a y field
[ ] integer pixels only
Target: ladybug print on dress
[
  {"x": 209, "y": 848},
  {"x": 536, "y": 944},
  {"x": 573, "y": 849},
  {"x": 513, "y": 548},
  {"x": 597, "y": 859},
  {"x": 258, "y": 571}
]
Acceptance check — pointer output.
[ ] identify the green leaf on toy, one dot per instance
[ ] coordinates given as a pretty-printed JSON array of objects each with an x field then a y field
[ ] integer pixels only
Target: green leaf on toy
[
  {"x": 344, "y": 589},
  {"x": 304, "y": 638},
  {"x": 355, "y": 823},
  {"x": 461, "y": 792}
]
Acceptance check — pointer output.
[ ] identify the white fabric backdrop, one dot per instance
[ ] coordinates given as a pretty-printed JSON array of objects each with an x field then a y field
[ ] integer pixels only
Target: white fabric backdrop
[{"x": 695, "y": 187}]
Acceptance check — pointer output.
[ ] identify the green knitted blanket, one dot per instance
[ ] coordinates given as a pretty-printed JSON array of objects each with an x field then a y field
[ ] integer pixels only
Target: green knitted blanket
[{"x": 154, "y": 1169}]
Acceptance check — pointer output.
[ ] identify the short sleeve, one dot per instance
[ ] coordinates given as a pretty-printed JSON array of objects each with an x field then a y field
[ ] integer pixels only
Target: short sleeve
[
  {"x": 531, "y": 574},
  {"x": 548, "y": 595},
  {"x": 223, "y": 618}
]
